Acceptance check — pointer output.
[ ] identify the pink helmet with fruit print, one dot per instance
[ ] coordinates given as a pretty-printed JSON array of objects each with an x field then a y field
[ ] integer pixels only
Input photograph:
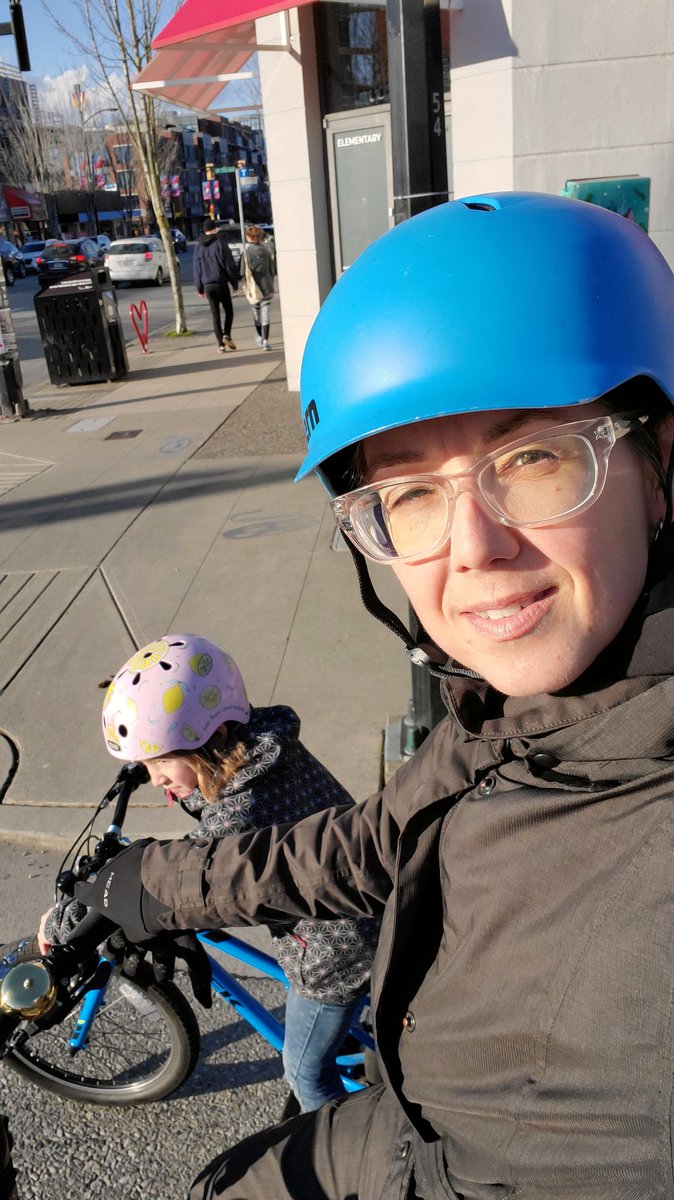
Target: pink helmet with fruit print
[{"x": 172, "y": 695}]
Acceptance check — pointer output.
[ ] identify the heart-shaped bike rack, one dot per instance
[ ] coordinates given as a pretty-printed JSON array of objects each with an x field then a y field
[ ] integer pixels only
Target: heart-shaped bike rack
[{"x": 138, "y": 314}]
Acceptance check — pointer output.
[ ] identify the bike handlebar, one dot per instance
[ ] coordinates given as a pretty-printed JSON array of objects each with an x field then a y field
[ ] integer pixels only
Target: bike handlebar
[
  {"x": 131, "y": 776},
  {"x": 88, "y": 935}
]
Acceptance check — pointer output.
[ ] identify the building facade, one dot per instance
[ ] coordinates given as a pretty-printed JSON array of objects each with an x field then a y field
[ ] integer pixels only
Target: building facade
[{"x": 536, "y": 95}]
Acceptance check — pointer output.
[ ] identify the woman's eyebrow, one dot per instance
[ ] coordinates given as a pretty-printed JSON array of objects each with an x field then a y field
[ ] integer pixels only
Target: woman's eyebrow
[
  {"x": 392, "y": 458},
  {"x": 509, "y": 425}
]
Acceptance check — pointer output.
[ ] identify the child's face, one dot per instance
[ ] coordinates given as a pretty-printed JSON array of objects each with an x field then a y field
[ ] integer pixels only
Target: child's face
[{"x": 173, "y": 773}]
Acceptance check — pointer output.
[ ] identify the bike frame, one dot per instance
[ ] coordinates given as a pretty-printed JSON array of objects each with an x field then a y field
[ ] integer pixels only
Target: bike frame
[{"x": 233, "y": 992}]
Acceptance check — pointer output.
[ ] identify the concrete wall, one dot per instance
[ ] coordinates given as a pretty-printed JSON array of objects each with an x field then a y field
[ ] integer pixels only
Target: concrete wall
[
  {"x": 549, "y": 90},
  {"x": 297, "y": 178},
  {"x": 542, "y": 91}
]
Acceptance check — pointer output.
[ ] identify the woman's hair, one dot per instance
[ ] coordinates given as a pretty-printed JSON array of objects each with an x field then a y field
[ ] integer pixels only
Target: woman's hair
[
  {"x": 254, "y": 233},
  {"x": 642, "y": 396},
  {"x": 218, "y": 760}
]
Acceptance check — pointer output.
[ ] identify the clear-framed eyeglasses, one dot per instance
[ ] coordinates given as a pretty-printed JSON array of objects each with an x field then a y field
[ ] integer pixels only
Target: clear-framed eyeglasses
[{"x": 537, "y": 480}]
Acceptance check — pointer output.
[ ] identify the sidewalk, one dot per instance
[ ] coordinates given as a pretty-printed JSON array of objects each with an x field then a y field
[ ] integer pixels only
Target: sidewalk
[{"x": 165, "y": 503}]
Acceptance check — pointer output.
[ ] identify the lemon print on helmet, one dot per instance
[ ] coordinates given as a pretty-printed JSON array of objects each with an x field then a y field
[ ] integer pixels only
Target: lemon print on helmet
[
  {"x": 149, "y": 656},
  {"x": 210, "y": 697},
  {"x": 149, "y": 747},
  {"x": 173, "y": 698},
  {"x": 108, "y": 694},
  {"x": 201, "y": 664},
  {"x": 190, "y": 734},
  {"x": 130, "y": 711},
  {"x": 111, "y": 737}
]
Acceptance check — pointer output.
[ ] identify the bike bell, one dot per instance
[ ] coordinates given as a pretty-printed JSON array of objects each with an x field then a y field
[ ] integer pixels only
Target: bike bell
[{"x": 28, "y": 990}]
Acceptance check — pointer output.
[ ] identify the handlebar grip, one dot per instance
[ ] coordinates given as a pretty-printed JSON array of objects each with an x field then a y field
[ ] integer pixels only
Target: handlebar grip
[{"x": 91, "y": 931}]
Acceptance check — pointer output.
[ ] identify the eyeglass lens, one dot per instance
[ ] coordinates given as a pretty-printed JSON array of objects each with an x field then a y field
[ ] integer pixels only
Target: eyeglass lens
[{"x": 533, "y": 482}]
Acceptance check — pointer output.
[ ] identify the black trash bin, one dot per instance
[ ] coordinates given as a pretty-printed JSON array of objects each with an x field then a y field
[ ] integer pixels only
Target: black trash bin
[
  {"x": 80, "y": 329},
  {"x": 12, "y": 400}
]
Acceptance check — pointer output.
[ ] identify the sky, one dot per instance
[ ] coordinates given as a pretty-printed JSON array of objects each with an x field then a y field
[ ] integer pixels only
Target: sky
[{"x": 56, "y": 63}]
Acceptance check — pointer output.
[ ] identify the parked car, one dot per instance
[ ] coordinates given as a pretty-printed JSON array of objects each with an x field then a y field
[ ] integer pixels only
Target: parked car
[
  {"x": 232, "y": 235},
  {"x": 59, "y": 259},
  {"x": 30, "y": 252},
  {"x": 137, "y": 260},
  {"x": 12, "y": 262},
  {"x": 179, "y": 240}
]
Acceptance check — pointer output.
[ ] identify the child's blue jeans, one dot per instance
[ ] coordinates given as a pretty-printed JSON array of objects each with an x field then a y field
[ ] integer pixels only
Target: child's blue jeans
[{"x": 314, "y": 1033}]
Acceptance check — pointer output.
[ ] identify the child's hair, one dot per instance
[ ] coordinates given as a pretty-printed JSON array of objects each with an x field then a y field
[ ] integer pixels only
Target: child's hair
[
  {"x": 254, "y": 233},
  {"x": 218, "y": 760}
]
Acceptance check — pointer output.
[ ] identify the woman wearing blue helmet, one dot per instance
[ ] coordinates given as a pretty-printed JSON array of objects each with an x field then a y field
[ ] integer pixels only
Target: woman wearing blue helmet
[{"x": 501, "y": 437}]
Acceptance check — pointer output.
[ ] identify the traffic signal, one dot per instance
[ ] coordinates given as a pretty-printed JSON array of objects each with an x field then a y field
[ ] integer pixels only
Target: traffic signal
[{"x": 19, "y": 31}]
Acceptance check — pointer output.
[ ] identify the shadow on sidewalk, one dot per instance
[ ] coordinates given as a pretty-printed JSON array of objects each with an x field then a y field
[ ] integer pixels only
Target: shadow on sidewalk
[{"x": 60, "y": 507}]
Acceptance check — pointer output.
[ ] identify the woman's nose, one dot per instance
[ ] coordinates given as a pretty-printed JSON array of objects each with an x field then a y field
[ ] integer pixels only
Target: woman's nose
[{"x": 478, "y": 538}]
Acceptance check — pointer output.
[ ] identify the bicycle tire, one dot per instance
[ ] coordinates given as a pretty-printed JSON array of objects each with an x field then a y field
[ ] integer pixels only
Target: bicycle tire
[{"x": 165, "y": 1038}]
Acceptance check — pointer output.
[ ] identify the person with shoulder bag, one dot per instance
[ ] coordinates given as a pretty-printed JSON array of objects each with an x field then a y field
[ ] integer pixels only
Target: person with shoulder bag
[{"x": 258, "y": 282}]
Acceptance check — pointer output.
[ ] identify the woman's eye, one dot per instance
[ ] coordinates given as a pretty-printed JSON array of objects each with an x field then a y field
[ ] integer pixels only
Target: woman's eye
[
  {"x": 411, "y": 495},
  {"x": 529, "y": 456}
]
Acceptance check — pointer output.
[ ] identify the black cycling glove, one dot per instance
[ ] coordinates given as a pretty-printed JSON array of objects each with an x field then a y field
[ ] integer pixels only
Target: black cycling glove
[{"x": 117, "y": 893}]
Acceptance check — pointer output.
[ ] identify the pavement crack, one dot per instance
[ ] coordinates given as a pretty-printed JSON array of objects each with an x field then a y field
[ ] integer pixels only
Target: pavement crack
[{"x": 13, "y": 749}]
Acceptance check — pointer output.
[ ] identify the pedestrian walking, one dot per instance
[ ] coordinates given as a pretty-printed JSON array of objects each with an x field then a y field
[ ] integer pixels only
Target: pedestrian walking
[
  {"x": 512, "y": 464},
  {"x": 214, "y": 273},
  {"x": 258, "y": 282}
]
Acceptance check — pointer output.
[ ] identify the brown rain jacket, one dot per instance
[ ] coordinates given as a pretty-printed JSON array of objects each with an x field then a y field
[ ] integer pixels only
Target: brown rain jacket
[{"x": 523, "y": 984}]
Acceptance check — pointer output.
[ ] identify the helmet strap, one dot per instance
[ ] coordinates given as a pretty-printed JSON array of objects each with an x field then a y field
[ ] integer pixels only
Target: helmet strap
[{"x": 417, "y": 651}]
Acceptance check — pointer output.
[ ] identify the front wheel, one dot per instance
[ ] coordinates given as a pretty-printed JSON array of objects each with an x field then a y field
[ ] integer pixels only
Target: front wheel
[
  {"x": 159, "y": 277},
  {"x": 9, "y": 275},
  {"x": 143, "y": 1044}
]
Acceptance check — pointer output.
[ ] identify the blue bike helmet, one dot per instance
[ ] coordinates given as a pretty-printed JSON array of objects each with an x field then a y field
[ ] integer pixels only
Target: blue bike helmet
[{"x": 512, "y": 300}]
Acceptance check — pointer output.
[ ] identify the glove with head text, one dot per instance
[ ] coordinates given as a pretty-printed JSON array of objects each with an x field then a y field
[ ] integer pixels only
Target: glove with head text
[{"x": 117, "y": 893}]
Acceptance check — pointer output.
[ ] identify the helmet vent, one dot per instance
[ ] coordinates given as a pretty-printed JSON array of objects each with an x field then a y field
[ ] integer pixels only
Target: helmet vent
[
  {"x": 482, "y": 207},
  {"x": 136, "y": 679},
  {"x": 122, "y": 731},
  {"x": 166, "y": 666}
]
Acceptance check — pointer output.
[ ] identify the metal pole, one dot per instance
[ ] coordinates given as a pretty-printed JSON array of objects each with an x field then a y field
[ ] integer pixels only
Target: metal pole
[
  {"x": 239, "y": 200},
  {"x": 420, "y": 181},
  {"x": 417, "y": 106}
]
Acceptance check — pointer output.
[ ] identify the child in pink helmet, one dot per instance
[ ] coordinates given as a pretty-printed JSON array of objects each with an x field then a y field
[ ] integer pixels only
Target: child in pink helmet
[{"x": 179, "y": 705}]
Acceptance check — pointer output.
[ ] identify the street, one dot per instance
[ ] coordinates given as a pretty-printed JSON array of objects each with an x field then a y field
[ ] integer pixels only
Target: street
[
  {"x": 151, "y": 1152},
  {"x": 160, "y": 313},
  {"x": 164, "y": 501}
]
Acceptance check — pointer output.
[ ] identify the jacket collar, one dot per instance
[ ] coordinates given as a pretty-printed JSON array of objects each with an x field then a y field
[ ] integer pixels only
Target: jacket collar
[{"x": 633, "y": 680}]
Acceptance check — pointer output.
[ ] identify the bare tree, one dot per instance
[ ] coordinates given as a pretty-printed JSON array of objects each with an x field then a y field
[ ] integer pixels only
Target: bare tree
[
  {"x": 116, "y": 37},
  {"x": 34, "y": 152}
]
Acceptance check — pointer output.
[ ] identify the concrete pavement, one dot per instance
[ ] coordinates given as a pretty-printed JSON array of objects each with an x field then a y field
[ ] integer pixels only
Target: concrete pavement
[{"x": 165, "y": 503}]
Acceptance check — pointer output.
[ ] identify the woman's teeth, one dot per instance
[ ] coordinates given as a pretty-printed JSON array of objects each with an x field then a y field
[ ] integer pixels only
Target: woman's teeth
[{"x": 496, "y": 614}]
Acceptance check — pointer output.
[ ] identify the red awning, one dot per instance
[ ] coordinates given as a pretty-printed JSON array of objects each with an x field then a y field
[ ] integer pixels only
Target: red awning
[
  {"x": 205, "y": 45},
  {"x": 196, "y": 18},
  {"x": 23, "y": 203}
]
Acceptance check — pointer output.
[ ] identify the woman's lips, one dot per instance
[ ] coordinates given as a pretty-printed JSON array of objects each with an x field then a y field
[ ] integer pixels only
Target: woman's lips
[{"x": 513, "y": 617}]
